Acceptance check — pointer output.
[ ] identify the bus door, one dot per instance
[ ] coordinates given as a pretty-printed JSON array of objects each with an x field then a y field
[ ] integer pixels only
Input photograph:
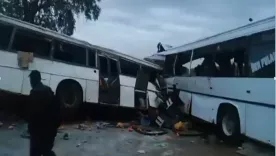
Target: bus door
[
  {"x": 109, "y": 82},
  {"x": 141, "y": 86}
]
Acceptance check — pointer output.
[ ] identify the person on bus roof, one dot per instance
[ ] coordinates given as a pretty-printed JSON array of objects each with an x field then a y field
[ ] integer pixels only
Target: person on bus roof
[{"x": 43, "y": 120}]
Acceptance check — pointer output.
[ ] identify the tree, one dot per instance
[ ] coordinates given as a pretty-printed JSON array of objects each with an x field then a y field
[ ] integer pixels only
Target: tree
[{"x": 57, "y": 15}]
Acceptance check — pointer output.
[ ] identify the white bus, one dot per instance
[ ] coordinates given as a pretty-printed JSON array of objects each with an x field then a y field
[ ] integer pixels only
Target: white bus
[
  {"x": 75, "y": 70},
  {"x": 228, "y": 80}
]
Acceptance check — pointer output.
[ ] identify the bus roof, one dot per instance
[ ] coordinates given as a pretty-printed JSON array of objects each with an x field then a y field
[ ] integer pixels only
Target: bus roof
[
  {"x": 45, "y": 31},
  {"x": 259, "y": 26}
]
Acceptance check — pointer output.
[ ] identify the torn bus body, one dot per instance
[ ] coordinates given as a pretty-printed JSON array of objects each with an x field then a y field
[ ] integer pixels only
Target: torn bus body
[
  {"x": 228, "y": 80},
  {"x": 77, "y": 71}
]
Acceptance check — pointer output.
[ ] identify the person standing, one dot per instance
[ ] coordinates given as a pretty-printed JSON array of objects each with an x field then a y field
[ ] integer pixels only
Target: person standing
[{"x": 43, "y": 120}]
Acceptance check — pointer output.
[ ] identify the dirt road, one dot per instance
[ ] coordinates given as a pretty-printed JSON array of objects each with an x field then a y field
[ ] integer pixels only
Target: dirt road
[{"x": 115, "y": 142}]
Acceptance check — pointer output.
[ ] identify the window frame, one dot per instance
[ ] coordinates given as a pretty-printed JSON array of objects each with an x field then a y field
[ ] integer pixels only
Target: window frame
[
  {"x": 172, "y": 68},
  {"x": 99, "y": 64},
  {"x": 109, "y": 66},
  {"x": 190, "y": 52},
  {"x": 256, "y": 40},
  {"x": 17, "y": 29},
  {"x": 66, "y": 62},
  {"x": 11, "y": 36},
  {"x": 89, "y": 50},
  {"x": 121, "y": 73}
]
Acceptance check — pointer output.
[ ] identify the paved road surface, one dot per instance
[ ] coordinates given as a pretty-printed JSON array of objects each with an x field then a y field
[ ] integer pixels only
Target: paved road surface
[{"x": 115, "y": 142}]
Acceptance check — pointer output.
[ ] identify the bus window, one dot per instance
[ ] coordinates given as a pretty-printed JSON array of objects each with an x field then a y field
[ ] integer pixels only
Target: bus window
[
  {"x": 5, "y": 31},
  {"x": 92, "y": 58},
  {"x": 204, "y": 66},
  {"x": 169, "y": 64},
  {"x": 28, "y": 41},
  {"x": 129, "y": 68},
  {"x": 262, "y": 55},
  {"x": 262, "y": 60},
  {"x": 103, "y": 66},
  {"x": 182, "y": 64},
  {"x": 70, "y": 53},
  {"x": 151, "y": 72},
  {"x": 231, "y": 63},
  {"x": 113, "y": 67}
]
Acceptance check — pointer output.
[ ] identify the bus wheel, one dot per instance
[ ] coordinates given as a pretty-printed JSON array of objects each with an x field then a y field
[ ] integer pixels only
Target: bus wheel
[
  {"x": 70, "y": 97},
  {"x": 229, "y": 124}
]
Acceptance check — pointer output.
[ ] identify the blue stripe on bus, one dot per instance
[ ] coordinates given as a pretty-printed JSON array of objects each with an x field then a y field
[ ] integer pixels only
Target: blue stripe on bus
[{"x": 245, "y": 101}]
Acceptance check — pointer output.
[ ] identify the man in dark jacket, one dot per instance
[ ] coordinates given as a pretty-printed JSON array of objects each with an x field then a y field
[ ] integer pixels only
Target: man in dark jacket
[{"x": 43, "y": 118}]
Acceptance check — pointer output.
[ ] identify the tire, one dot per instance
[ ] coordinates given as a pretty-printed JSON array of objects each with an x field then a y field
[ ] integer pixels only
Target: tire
[
  {"x": 70, "y": 97},
  {"x": 229, "y": 125}
]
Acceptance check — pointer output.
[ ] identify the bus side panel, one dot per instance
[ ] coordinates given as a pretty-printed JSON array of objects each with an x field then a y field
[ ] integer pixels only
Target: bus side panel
[
  {"x": 152, "y": 95},
  {"x": 8, "y": 59},
  {"x": 208, "y": 94},
  {"x": 206, "y": 108},
  {"x": 45, "y": 78},
  {"x": 11, "y": 79},
  {"x": 186, "y": 98},
  {"x": 245, "y": 89},
  {"x": 127, "y": 91},
  {"x": 152, "y": 99},
  {"x": 92, "y": 91},
  {"x": 169, "y": 82},
  {"x": 55, "y": 80},
  {"x": 260, "y": 123}
]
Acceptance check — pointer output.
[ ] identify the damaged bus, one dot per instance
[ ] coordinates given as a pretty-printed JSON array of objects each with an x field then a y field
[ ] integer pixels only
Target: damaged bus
[
  {"x": 228, "y": 80},
  {"x": 75, "y": 70}
]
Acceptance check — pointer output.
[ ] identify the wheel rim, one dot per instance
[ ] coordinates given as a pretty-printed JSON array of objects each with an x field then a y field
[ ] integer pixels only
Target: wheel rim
[{"x": 228, "y": 125}]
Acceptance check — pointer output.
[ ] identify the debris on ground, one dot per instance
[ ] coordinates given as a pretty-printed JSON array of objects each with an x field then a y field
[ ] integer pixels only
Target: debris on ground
[
  {"x": 78, "y": 145},
  {"x": 192, "y": 141},
  {"x": 161, "y": 144},
  {"x": 61, "y": 128},
  {"x": 181, "y": 126},
  {"x": 149, "y": 130},
  {"x": 167, "y": 153},
  {"x": 103, "y": 125},
  {"x": 240, "y": 148},
  {"x": 141, "y": 151},
  {"x": 82, "y": 126},
  {"x": 25, "y": 134},
  {"x": 11, "y": 127},
  {"x": 130, "y": 129},
  {"x": 66, "y": 136},
  {"x": 122, "y": 125}
]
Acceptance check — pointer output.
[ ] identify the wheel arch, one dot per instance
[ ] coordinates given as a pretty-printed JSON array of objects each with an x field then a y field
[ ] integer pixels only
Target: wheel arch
[
  {"x": 70, "y": 81},
  {"x": 224, "y": 106}
]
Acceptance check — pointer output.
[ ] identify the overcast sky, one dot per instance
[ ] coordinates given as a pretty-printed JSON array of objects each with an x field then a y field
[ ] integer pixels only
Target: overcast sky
[{"x": 135, "y": 27}]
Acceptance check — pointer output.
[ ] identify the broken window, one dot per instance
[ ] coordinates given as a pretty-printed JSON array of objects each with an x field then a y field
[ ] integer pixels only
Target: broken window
[
  {"x": 203, "y": 65},
  {"x": 103, "y": 61},
  {"x": 113, "y": 67},
  {"x": 225, "y": 59},
  {"x": 29, "y": 41},
  {"x": 151, "y": 72},
  {"x": 92, "y": 58},
  {"x": 5, "y": 31},
  {"x": 182, "y": 64},
  {"x": 129, "y": 68},
  {"x": 231, "y": 63},
  {"x": 169, "y": 65},
  {"x": 262, "y": 55},
  {"x": 70, "y": 53}
]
